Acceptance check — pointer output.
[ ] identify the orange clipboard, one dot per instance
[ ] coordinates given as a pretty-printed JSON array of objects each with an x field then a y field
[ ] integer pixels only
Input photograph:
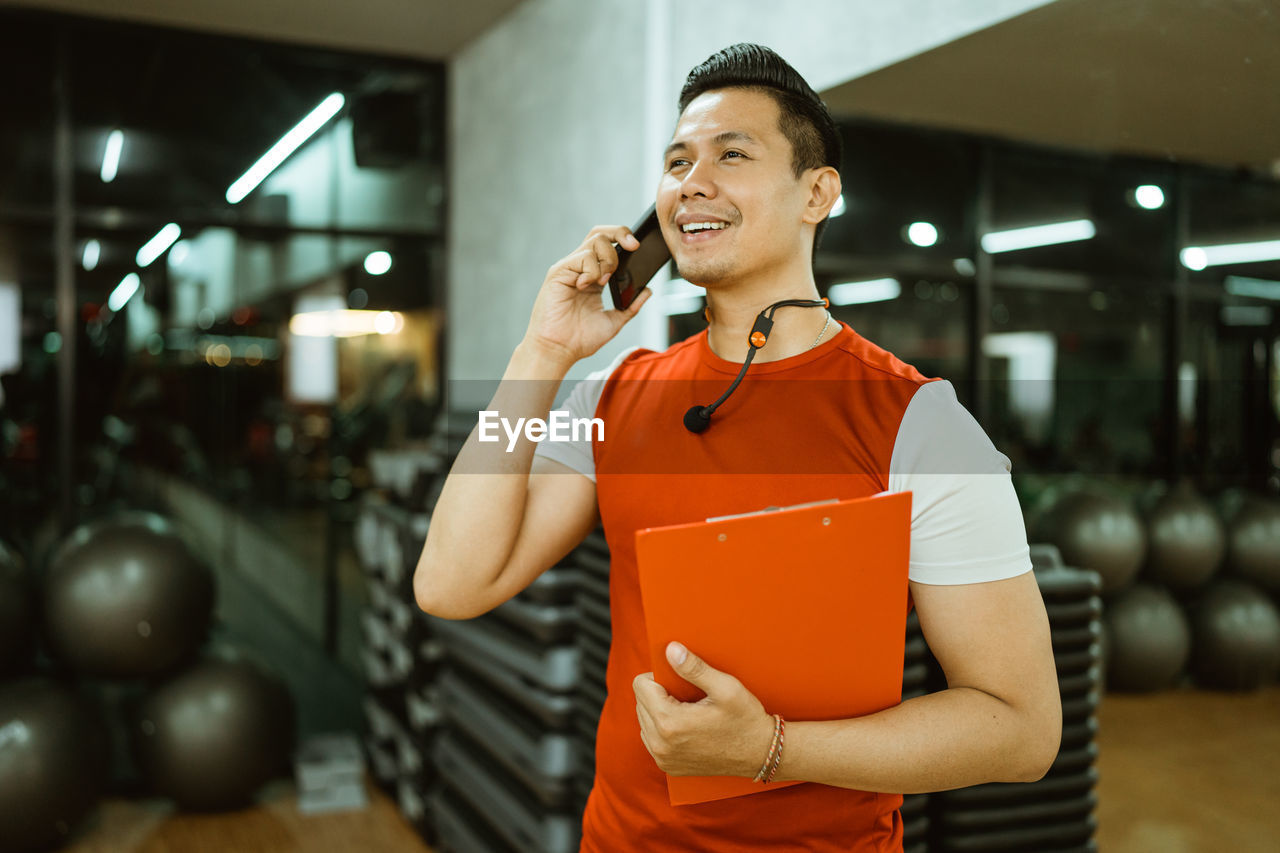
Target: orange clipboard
[{"x": 805, "y": 605}]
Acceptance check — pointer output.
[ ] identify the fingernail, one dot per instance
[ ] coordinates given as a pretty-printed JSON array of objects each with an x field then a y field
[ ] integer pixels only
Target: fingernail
[
  {"x": 605, "y": 280},
  {"x": 677, "y": 653}
]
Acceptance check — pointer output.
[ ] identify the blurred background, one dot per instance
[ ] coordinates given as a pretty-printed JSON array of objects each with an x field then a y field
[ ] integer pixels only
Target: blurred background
[{"x": 253, "y": 256}]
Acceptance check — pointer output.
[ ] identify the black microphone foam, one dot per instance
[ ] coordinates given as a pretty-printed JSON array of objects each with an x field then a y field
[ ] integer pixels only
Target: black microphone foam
[{"x": 697, "y": 419}]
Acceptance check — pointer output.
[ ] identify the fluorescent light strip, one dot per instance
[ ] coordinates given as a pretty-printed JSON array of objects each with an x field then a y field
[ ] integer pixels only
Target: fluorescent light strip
[
  {"x": 1258, "y": 288},
  {"x": 92, "y": 252},
  {"x": 124, "y": 291},
  {"x": 157, "y": 245},
  {"x": 280, "y": 152},
  {"x": 1199, "y": 257},
  {"x": 1049, "y": 234},
  {"x": 1246, "y": 315},
  {"x": 345, "y": 323},
  {"x": 861, "y": 292},
  {"x": 111, "y": 157}
]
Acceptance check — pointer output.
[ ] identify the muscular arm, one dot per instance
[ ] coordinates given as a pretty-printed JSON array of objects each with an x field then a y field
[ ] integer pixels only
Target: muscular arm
[{"x": 999, "y": 720}]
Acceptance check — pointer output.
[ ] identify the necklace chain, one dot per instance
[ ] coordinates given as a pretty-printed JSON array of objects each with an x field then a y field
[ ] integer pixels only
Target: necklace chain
[{"x": 823, "y": 332}]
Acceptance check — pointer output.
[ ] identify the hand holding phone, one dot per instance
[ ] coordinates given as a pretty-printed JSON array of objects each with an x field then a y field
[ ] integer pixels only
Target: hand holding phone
[
  {"x": 636, "y": 268},
  {"x": 569, "y": 321}
]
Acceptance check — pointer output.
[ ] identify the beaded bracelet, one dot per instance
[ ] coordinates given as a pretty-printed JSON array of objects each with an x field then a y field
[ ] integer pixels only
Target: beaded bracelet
[
  {"x": 773, "y": 758},
  {"x": 777, "y": 761}
]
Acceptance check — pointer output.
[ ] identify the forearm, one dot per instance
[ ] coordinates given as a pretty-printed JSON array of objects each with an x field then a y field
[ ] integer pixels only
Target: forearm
[
  {"x": 477, "y": 517},
  {"x": 950, "y": 739}
]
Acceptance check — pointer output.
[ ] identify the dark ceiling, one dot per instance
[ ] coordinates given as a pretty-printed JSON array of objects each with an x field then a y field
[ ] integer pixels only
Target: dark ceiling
[{"x": 197, "y": 111}]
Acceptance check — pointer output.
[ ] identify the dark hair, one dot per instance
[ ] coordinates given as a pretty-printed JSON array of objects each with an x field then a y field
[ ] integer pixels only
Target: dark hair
[{"x": 802, "y": 116}]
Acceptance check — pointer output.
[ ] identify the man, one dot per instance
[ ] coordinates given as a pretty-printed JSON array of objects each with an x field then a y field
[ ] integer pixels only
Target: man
[{"x": 755, "y": 154}]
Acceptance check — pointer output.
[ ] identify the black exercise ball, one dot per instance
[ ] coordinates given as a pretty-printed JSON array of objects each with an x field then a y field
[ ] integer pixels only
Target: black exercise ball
[
  {"x": 1187, "y": 541},
  {"x": 1099, "y": 532},
  {"x": 1253, "y": 543},
  {"x": 126, "y": 597},
  {"x": 212, "y": 735},
  {"x": 16, "y": 625},
  {"x": 52, "y": 763},
  {"x": 1148, "y": 639},
  {"x": 1236, "y": 637}
]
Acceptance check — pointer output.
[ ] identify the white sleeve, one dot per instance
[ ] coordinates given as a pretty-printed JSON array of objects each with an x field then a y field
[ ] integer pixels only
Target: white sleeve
[
  {"x": 581, "y": 403},
  {"x": 966, "y": 523}
]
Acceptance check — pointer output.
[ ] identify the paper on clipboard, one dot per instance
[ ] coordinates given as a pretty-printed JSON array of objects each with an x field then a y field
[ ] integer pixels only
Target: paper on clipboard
[{"x": 805, "y": 605}]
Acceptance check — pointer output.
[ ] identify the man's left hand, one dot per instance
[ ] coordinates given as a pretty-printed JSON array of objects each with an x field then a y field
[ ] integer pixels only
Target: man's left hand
[{"x": 726, "y": 733}]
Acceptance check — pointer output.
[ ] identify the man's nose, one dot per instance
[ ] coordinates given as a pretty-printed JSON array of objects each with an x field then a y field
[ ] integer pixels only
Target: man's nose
[{"x": 697, "y": 181}]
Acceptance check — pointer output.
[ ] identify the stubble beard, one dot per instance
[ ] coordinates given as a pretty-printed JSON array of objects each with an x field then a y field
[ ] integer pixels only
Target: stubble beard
[{"x": 705, "y": 272}]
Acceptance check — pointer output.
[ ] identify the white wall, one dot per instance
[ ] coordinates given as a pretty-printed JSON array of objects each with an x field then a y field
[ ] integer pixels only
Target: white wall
[{"x": 559, "y": 113}]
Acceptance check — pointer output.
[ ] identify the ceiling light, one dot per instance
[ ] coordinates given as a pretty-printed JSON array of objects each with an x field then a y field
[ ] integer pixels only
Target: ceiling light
[
  {"x": 280, "y": 152},
  {"x": 1193, "y": 258},
  {"x": 156, "y": 246},
  {"x": 1246, "y": 315},
  {"x": 860, "y": 292},
  {"x": 345, "y": 323},
  {"x": 111, "y": 157},
  {"x": 1149, "y": 196},
  {"x": 180, "y": 252},
  {"x": 1258, "y": 288},
  {"x": 1199, "y": 257},
  {"x": 123, "y": 292},
  {"x": 92, "y": 252},
  {"x": 377, "y": 263},
  {"x": 387, "y": 323},
  {"x": 922, "y": 234},
  {"x": 1049, "y": 234},
  {"x": 838, "y": 208}
]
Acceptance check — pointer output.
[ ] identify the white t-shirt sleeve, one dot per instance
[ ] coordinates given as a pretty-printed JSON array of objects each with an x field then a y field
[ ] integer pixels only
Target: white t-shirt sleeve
[
  {"x": 966, "y": 523},
  {"x": 582, "y": 403}
]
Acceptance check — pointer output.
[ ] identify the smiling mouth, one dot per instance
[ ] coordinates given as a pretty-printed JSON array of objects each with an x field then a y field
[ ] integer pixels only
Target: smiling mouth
[{"x": 702, "y": 235}]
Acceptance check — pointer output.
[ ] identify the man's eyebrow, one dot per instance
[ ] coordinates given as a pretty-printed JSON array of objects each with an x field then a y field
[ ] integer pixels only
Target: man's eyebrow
[{"x": 719, "y": 138}]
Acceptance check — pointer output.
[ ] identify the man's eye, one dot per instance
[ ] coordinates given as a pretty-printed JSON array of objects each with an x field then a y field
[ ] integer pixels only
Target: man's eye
[
  {"x": 673, "y": 163},
  {"x": 739, "y": 153}
]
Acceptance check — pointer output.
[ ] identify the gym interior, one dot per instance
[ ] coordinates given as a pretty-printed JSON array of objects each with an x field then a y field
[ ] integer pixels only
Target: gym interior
[{"x": 262, "y": 264}]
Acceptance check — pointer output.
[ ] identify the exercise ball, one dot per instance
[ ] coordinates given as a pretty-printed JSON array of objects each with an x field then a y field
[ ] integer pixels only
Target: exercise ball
[
  {"x": 1236, "y": 634},
  {"x": 1148, "y": 639},
  {"x": 16, "y": 625},
  {"x": 213, "y": 734},
  {"x": 1186, "y": 540},
  {"x": 125, "y": 597},
  {"x": 52, "y": 763},
  {"x": 1253, "y": 543},
  {"x": 1099, "y": 532}
]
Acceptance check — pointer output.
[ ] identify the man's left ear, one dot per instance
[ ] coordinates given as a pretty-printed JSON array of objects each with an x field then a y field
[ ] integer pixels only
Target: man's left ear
[{"x": 824, "y": 194}]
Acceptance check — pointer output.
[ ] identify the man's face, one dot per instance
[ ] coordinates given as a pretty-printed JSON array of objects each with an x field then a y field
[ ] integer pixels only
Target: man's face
[{"x": 730, "y": 164}]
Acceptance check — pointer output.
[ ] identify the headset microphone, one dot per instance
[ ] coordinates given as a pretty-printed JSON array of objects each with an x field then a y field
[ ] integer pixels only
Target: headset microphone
[{"x": 698, "y": 418}]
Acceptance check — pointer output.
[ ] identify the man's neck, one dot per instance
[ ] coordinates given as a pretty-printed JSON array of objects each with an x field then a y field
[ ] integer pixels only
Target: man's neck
[{"x": 795, "y": 328}]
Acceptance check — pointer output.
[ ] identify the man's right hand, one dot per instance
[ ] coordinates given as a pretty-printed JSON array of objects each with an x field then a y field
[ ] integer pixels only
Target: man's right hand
[{"x": 569, "y": 320}]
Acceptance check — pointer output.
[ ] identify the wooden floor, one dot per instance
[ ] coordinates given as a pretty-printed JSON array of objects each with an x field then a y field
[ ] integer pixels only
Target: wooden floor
[
  {"x": 275, "y": 826},
  {"x": 1180, "y": 772},
  {"x": 1189, "y": 770}
]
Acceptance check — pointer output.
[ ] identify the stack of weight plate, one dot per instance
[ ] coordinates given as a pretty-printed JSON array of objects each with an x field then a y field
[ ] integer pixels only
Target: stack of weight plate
[
  {"x": 1057, "y": 812},
  {"x": 918, "y": 677},
  {"x": 595, "y": 632},
  {"x": 401, "y": 658},
  {"x": 405, "y": 475},
  {"x": 506, "y": 758}
]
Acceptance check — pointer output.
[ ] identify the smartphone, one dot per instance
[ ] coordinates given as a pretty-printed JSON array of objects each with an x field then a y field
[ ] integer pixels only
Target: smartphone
[{"x": 635, "y": 269}]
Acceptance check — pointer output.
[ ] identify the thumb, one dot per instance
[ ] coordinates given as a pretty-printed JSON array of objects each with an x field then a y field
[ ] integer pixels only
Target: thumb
[{"x": 692, "y": 668}]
